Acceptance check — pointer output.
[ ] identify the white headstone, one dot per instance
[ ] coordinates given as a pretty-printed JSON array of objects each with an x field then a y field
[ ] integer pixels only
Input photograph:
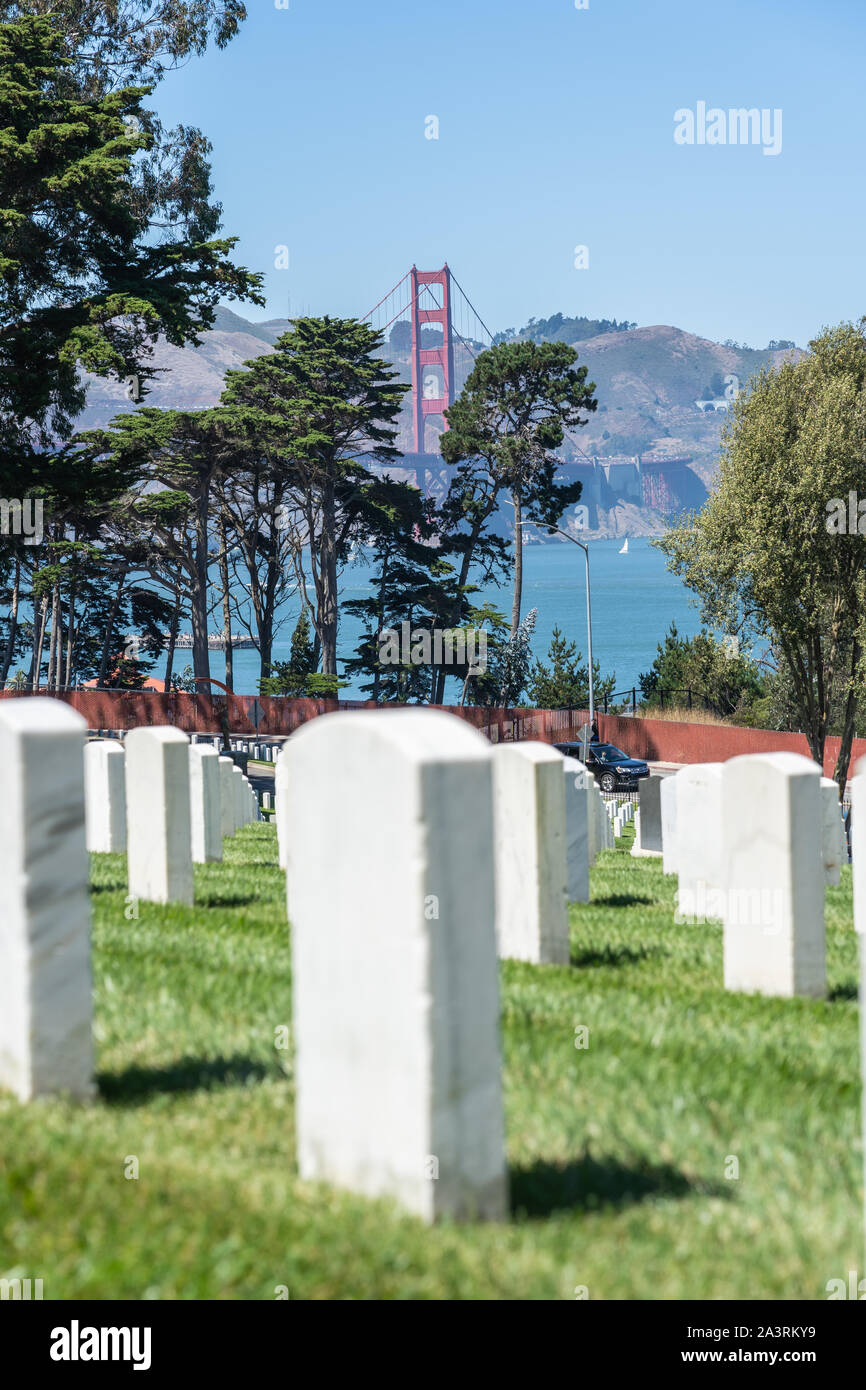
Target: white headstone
[
  {"x": 668, "y": 801},
  {"x": 774, "y": 878},
  {"x": 240, "y": 795},
  {"x": 105, "y": 796},
  {"x": 834, "y": 850},
  {"x": 205, "y": 804},
  {"x": 596, "y": 819},
  {"x": 394, "y": 970},
  {"x": 699, "y": 835},
  {"x": 159, "y": 853},
  {"x": 648, "y": 843},
  {"x": 45, "y": 984},
  {"x": 281, "y": 791},
  {"x": 529, "y": 830},
  {"x": 227, "y": 796},
  {"x": 858, "y": 850},
  {"x": 607, "y": 828},
  {"x": 576, "y": 830},
  {"x": 857, "y": 828}
]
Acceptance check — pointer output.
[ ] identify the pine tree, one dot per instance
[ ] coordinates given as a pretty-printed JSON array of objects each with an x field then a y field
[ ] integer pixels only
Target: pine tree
[
  {"x": 316, "y": 405},
  {"x": 292, "y": 677},
  {"x": 564, "y": 683},
  {"x": 503, "y": 429},
  {"x": 84, "y": 284}
]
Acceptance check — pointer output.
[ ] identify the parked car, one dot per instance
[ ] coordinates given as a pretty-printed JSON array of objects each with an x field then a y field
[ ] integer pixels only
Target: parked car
[{"x": 614, "y": 770}]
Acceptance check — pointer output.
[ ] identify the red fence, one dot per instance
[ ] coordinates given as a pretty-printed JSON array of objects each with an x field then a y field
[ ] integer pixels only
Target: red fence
[
  {"x": 661, "y": 740},
  {"x": 658, "y": 740},
  {"x": 268, "y": 715}
]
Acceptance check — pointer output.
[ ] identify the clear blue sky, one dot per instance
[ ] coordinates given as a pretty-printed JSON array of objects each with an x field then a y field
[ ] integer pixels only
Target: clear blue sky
[{"x": 555, "y": 129}]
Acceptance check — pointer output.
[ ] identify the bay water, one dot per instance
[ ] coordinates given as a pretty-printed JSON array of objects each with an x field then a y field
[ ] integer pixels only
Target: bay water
[{"x": 634, "y": 600}]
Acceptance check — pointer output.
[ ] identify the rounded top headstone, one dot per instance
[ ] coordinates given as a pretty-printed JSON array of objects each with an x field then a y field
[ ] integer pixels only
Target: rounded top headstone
[{"x": 40, "y": 714}]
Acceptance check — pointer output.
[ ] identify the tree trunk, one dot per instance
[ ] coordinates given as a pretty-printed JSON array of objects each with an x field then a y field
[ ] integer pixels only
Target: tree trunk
[
  {"x": 58, "y": 649},
  {"x": 109, "y": 629},
  {"x": 227, "y": 611},
  {"x": 70, "y": 638},
  {"x": 265, "y": 614},
  {"x": 38, "y": 643},
  {"x": 266, "y": 644},
  {"x": 172, "y": 639},
  {"x": 198, "y": 598},
  {"x": 840, "y": 772},
  {"x": 328, "y": 583},
  {"x": 200, "y": 653},
  {"x": 53, "y": 655},
  {"x": 462, "y": 580},
  {"x": 517, "y": 597},
  {"x": 13, "y": 627}
]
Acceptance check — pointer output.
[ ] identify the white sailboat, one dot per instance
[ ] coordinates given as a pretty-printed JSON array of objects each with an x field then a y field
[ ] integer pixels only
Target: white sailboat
[{"x": 623, "y": 550}]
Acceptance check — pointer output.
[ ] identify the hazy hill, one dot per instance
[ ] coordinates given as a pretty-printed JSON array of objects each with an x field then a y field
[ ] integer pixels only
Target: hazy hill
[{"x": 647, "y": 381}]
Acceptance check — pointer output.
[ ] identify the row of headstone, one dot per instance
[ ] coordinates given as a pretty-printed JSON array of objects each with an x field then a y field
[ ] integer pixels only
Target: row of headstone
[
  {"x": 451, "y": 852},
  {"x": 259, "y": 752},
  {"x": 413, "y": 1109},
  {"x": 753, "y": 842},
  {"x": 411, "y": 844},
  {"x": 550, "y": 824},
  {"x": 165, "y": 801},
  {"x": 621, "y": 814},
  {"x": 600, "y": 830}
]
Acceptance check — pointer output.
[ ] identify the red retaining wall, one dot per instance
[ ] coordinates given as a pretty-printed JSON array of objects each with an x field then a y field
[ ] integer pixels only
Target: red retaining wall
[{"x": 659, "y": 740}]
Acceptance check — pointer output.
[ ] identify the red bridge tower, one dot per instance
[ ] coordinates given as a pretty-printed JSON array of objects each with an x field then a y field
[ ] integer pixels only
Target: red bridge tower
[{"x": 432, "y": 393}]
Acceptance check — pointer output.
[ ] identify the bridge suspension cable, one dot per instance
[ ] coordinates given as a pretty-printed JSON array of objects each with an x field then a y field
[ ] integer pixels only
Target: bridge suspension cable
[{"x": 461, "y": 322}]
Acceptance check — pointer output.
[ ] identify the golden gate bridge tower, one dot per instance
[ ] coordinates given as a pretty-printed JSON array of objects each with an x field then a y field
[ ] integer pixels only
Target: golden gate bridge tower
[
  {"x": 442, "y": 334},
  {"x": 432, "y": 393},
  {"x": 436, "y": 334}
]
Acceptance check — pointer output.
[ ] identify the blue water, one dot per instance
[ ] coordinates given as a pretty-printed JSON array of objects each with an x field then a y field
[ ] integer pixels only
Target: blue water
[{"x": 634, "y": 600}]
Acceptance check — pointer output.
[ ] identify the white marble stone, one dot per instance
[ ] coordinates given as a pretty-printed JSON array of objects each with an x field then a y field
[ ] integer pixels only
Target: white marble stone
[
  {"x": 105, "y": 796},
  {"x": 648, "y": 842},
  {"x": 699, "y": 833},
  {"x": 774, "y": 877},
  {"x": 576, "y": 831},
  {"x": 834, "y": 850},
  {"x": 227, "y": 796},
  {"x": 600, "y": 835},
  {"x": 45, "y": 983},
  {"x": 390, "y": 893},
  {"x": 159, "y": 852},
  {"x": 857, "y": 788},
  {"x": 205, "y": 804},
  {"x": 240, "y": 798},
  {"x": 592, "y": 819},
  {"x": 281, "y": 791},
  {"x": 607, "y": 831},
  {"x": 530, "y": 840},
  {"x": 668, "y": 801}
]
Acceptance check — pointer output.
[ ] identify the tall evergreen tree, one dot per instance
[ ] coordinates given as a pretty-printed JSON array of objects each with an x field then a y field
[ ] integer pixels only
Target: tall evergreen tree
[
  {"x": 511, "y": 415},
  {"x": 564, "y": 683},
  {"x": 83, "y": 283},
  {"x": 319, "y": 406}
]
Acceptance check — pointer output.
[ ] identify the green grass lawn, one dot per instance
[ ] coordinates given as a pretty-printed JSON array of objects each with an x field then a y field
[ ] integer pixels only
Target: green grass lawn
[{"x": 619, "y": 1152}]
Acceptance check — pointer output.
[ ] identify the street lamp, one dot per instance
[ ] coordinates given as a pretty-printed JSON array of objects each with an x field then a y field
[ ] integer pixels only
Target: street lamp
[{"x": 585, "y": 548}]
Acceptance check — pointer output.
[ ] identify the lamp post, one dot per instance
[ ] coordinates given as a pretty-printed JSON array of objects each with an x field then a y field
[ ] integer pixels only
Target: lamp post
[{"x": 585, "y": 548}]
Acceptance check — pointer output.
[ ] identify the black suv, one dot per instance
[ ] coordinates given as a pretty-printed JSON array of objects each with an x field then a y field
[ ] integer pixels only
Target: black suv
[{"x": 614, "y": 770}]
